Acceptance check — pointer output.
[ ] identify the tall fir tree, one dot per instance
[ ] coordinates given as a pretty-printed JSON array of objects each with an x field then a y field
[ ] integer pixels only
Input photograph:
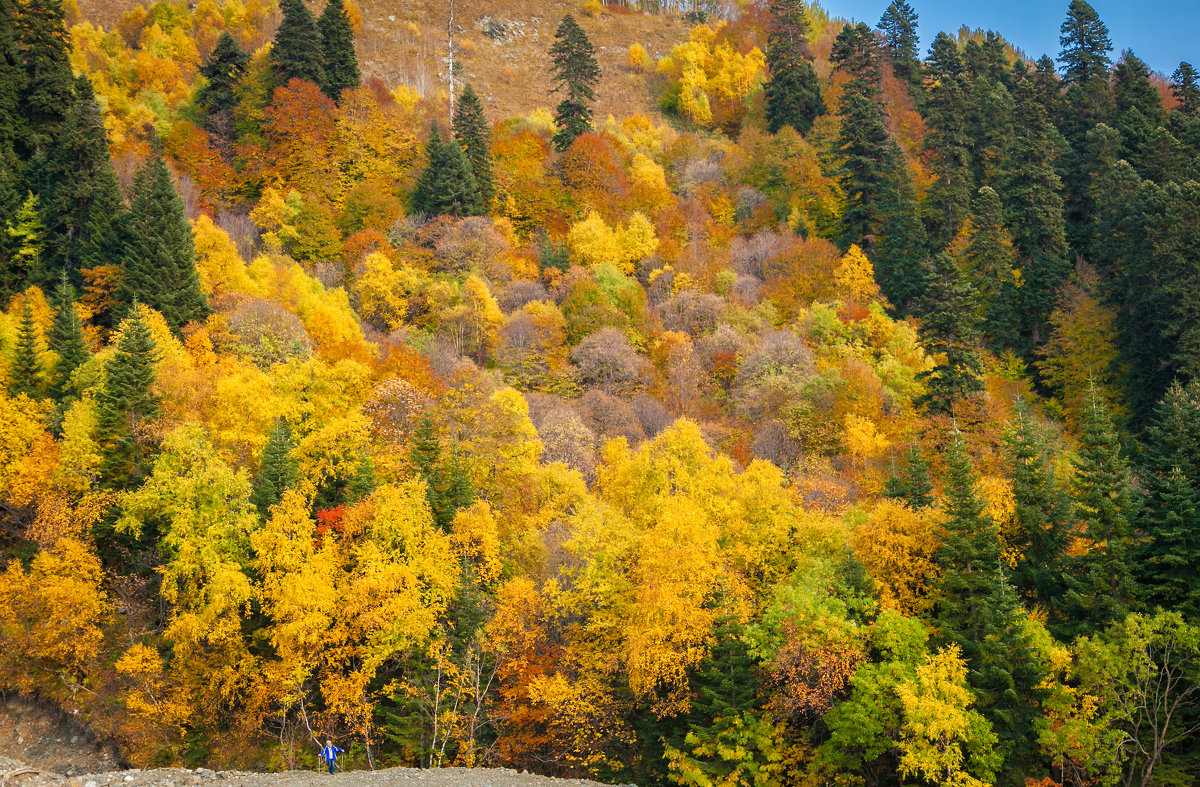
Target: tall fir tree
[
  {"x": 448, "y": 486},
  {"x": 899, "y": 26},
  {"x": 1170, "y": 503},
  {"x": 944, "y": 59},
  {"x": 12, "y": 80},
  {"x": 792, "y": 92},
  {"x": 67, "y": 342},
  {"x": 1039, "y": 524},
  {"x": 576, "y": 73},
  {"x": 297, "y": 50},
  {"x": 1100, "y": 587},
  {"x": 340, "y": 63},
  {"x": 1085, "y": 45},
  {"x": 25, "y": 374},
  {"x": 447, "y": 185},
  {"x": 127, "y": 407},
  {"x": 80, "y": 180},
  {"x": 160, "y": 269},
  {"x": 902, "y": 244},
  {"x": 47, "y": 86},
  {"x": 473, "y": 135},
  {"x": 1185, "y": 87},
  {"x": 278, "y": 469},
  {"x": 913, "y": 484},
  {"x": 991, "y": 262},
  {"x": 222, "y": 72},
  {"x": 1031, "y": 189},
  {"x": 950, "y": 330},
  {"x": 27, "y": 236},
  {"x": 947, "y": 149}
]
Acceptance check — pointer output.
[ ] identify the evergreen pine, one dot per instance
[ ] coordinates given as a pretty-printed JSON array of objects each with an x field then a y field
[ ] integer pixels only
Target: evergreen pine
[
  {"x": 990, "y": 260},
  {"x": 1031, "y": 189},
  {"x": 297, "y": 51},
  {"x": 1085, "y": 45},
  {"x": 576, "y": 72},
  {"x": 856, "y": 54},
  {"x": 471, "y": 132},
  {"x": 67, "y": 342},
  {"x": 28, "y": 239},
  {"x": 947, "y": 148},
  {"x": 913, "y": 484},
  {"x": 899, "y": 26},
  {"x": 107, "y": 239},
  {"x": 1132, "y": 88},
  {"x": 1100, "y": 587},
  {"x": 447, "y": 186},
  {"x": 47, "y": 85},
  {"x": 24, "y": 376},
  {"x": 792, "y": 93},
  {"x": 160, "y": 270},
  {"x": 126, "y": 406},
  {"x": 950, "y": 329},
  {"x": 448, "y": 485},
  {"x": 1186, "y": 89},
  {"x": 278, "y": 471},
  {"x": 80, "y": 180},
  {"x": 1038, "y": 533},
  {"x": 865, "y": 147},
  {"x": 902, "y": 244},
  {"x": 12, "y": 79},
  {"x": 226, "y": 65},
  {"x": 944, "y": 59},
  {"x": 340, "y": 66}
]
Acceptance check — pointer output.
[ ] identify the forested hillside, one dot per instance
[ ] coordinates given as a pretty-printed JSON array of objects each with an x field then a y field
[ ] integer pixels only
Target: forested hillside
[{"x": 833, "y": 420}]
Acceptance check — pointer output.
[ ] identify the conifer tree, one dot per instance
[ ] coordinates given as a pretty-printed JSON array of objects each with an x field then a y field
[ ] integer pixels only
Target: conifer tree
[
  {"x": 1031, "y": 189},
  {"x": 448, "y": 484},
  {"x": 913, "y": 484},
  {"x": 12, "y": 79},
  {"x": 340, "y": 66},
  {"x": 856, "y": 53},
  {"x": 950, "y": 329},
  {"x": 1185, "y": 89},
  {"x": 47, "y": 86},
  {"x": 576, "y": 72},
  {"x": 1100, "y": 586},
  {"x": 127, "y": 406},
  {"x": 947, "y": 148},
  {"x": 67, "y": 342},
  {"x": 278, "y": 471},
  {"x": 107, "y": 240},
  {"x": 991, "y": 261},
  {"x": 471, "y": 132},
  {"x": 80, "y": 180},
  {"x": 223, "y": 71},
  {"x": 297, "y": 51},
  {"x": 160, "y": 270},
  {"x": 25, "y": 375},
  {"x": 447, "y": 186},
  {"x": 792, "y": 93},
  {"x": 1132, "y": 88},
  {"x": 968, "y": 559},
  {"x": 902, "y": 244},
  {"x": 1039, "y": 528},
  {"x": 944, "y": 58},
  {"x": 1085, "y": 45},
  {"x": 28, "y": 237},
  {"x": 899, "y": 26}
]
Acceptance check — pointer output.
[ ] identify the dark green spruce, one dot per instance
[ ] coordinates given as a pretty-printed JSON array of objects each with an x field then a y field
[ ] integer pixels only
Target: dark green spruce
[
  {"x": 340, "y": 66},
  {"x": 576, "y": 73},
  {"x": 127, "y": 407},
  {"x": 278, "y": 471},
  {"x": 472, "y": 133},
  {"x": 297, "y": 52},
  {"x": 792, "y": 92}
]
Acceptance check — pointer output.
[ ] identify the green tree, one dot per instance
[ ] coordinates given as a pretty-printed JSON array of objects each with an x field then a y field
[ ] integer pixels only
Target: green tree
[
  {"x": 1100, "y": 586},
  {"x": 67, "y": 342},
  {"x": 79, "y": 180},
  {"x": 29, "y": 240},
  {"x": 25, "y": 374},
  {"x": 278, "y": 469},
  {"x": 899, "y": 26},
  {"x": 792, "y": 93},
  {"x": 223, "y": 72},
  {"x": 160, "y": 270},
  {"x": 1185, "y": 89},
  {"x": 447, "y": 185},
  {"x": 1085, "y": 45},
  {"x": 944, "y": 59},
  {"x": 340, "y": 66},
  {"x": 472, "y": 133},
  {"x": 297, "y": 51},
  {"x": 47, "y": 87},
  {"x": 448, "y": 485},
  {"x": 576, "y": 72},
  {"x": 1039, "y": 529},
  {"x": 902, "y": 244},
  {"x": 991, "y": 263},
  {"x": 950, "y": 329},
  {"x": 913, "y": 485},
  {"x": 947, "y": 149},
  {"x": 127, "y": 406}
]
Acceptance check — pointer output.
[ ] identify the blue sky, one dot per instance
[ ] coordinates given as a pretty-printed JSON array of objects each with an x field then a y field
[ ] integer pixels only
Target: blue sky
[{"x": 1160, "y": 32}]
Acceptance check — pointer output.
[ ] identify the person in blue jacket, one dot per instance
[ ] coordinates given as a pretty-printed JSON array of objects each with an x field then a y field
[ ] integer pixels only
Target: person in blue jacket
[{"x": 329, "y": 755}]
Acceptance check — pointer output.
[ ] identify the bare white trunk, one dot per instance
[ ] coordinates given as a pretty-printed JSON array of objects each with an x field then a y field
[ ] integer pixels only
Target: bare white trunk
[{"x": 450, "y": 65}]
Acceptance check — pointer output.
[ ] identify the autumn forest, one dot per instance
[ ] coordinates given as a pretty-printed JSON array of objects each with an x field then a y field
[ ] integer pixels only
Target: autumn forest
[{"x": 831, "y": 416}]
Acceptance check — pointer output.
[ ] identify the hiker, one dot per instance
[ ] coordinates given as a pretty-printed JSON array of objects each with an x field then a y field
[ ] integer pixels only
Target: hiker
[{"x": 329, "y": 754}]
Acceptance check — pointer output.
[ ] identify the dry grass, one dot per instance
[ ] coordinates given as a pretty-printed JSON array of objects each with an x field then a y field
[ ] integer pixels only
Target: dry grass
[{"x": 404, "y": 42}]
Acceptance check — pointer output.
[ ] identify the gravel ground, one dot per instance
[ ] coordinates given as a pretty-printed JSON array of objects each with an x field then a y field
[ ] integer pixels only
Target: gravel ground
[{"x": 17, "y": 774}]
